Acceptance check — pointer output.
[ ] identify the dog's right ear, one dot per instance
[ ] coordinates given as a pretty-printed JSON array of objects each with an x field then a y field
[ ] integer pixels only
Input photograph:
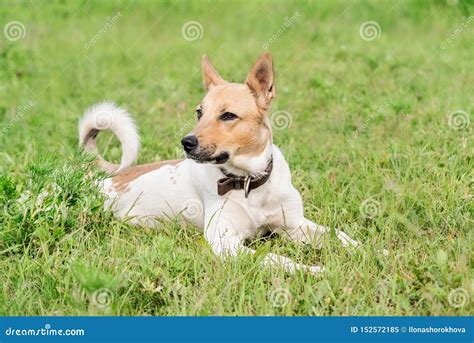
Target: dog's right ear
[{"x": 210, "y": 76}]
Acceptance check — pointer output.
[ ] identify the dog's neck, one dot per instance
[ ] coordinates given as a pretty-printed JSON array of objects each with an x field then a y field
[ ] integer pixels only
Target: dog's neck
[{"x": 246, "y": 165}]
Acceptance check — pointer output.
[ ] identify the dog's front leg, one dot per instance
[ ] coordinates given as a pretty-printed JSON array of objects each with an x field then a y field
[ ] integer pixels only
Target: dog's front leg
[
  {"x": 293, "y": 224},
  {"x": 288, "y": 264},
  {"x": 226, "y": 230},
  {"x": 307, "y": 231}
]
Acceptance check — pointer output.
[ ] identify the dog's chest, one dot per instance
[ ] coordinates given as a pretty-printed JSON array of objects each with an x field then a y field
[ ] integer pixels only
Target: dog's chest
[{"x": 263, "y": 209}]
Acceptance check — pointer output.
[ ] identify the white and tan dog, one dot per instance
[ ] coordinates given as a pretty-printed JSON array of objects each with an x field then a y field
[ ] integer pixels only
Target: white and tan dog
[{"x": 234, "y": 183}]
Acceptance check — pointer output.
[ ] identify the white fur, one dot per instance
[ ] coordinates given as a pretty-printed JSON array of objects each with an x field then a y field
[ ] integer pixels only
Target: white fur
[
  {"x": 107, "y": 115},
  {"x": 189, "y": 189}
]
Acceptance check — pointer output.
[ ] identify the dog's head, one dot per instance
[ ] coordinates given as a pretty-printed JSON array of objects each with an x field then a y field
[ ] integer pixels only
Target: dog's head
[{"x": 232, "y": 118}]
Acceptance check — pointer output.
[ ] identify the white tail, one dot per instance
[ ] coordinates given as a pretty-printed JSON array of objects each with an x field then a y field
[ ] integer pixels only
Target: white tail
[{"x": 108, "y": 116}]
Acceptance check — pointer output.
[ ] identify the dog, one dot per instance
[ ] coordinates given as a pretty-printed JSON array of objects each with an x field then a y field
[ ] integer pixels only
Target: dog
[{"x": 234, "y": 182}]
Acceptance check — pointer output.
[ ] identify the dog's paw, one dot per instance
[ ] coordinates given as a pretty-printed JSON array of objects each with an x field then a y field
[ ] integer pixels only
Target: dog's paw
[
  {"x": 315, "y": 270},
  {"x": 346, "y": 240}
]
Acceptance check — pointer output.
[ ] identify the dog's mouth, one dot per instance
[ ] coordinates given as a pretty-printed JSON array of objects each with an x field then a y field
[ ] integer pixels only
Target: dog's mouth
[{"x": 204, "y": 157}]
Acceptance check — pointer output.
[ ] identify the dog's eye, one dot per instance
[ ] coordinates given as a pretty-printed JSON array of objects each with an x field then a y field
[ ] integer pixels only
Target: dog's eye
[
  {"x": 199, "y": 113},
  {"x": 228, "y": 116}
]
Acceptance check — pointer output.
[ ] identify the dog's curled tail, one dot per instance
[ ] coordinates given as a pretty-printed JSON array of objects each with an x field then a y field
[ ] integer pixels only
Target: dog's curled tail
[{"x": 108, "y": 116}]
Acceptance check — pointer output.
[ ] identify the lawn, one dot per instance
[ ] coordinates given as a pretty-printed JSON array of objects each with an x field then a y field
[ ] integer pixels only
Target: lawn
[{"x": 374, "y": 113}]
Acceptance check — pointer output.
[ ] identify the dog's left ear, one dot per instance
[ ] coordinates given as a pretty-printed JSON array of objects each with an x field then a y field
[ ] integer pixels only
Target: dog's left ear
[{"x": 260, "y": 80}]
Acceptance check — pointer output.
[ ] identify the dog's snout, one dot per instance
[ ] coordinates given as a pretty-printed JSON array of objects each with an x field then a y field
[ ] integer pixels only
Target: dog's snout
[{"x": 189, "y": 142}]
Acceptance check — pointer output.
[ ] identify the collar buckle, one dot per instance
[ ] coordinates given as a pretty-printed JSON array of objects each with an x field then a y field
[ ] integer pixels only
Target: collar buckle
[{"x": 247, "y": 181}]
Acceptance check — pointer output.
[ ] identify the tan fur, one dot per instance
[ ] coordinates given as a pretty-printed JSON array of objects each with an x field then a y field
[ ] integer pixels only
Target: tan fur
[
  {"x": 260, "y": 81},
  {"x": 251, "y": 133},
  {"x": 123, "y": 178}
]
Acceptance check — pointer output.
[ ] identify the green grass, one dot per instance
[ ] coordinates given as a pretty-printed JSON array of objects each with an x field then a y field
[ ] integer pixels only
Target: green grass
[{"x": 62, "y": 254}]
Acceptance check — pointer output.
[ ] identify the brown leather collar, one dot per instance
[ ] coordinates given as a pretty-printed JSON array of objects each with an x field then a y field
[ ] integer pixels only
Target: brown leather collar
[{"x": 247, "y": 183}]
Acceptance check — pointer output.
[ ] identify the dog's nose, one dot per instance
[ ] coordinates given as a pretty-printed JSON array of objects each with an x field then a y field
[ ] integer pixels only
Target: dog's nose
[{"x": 189, "y": 142}]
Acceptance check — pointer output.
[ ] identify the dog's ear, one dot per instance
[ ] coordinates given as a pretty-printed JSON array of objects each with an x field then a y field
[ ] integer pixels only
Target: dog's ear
[
  {"x": 260, "y": 80},
  {"x": 210, "y": 76}
]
